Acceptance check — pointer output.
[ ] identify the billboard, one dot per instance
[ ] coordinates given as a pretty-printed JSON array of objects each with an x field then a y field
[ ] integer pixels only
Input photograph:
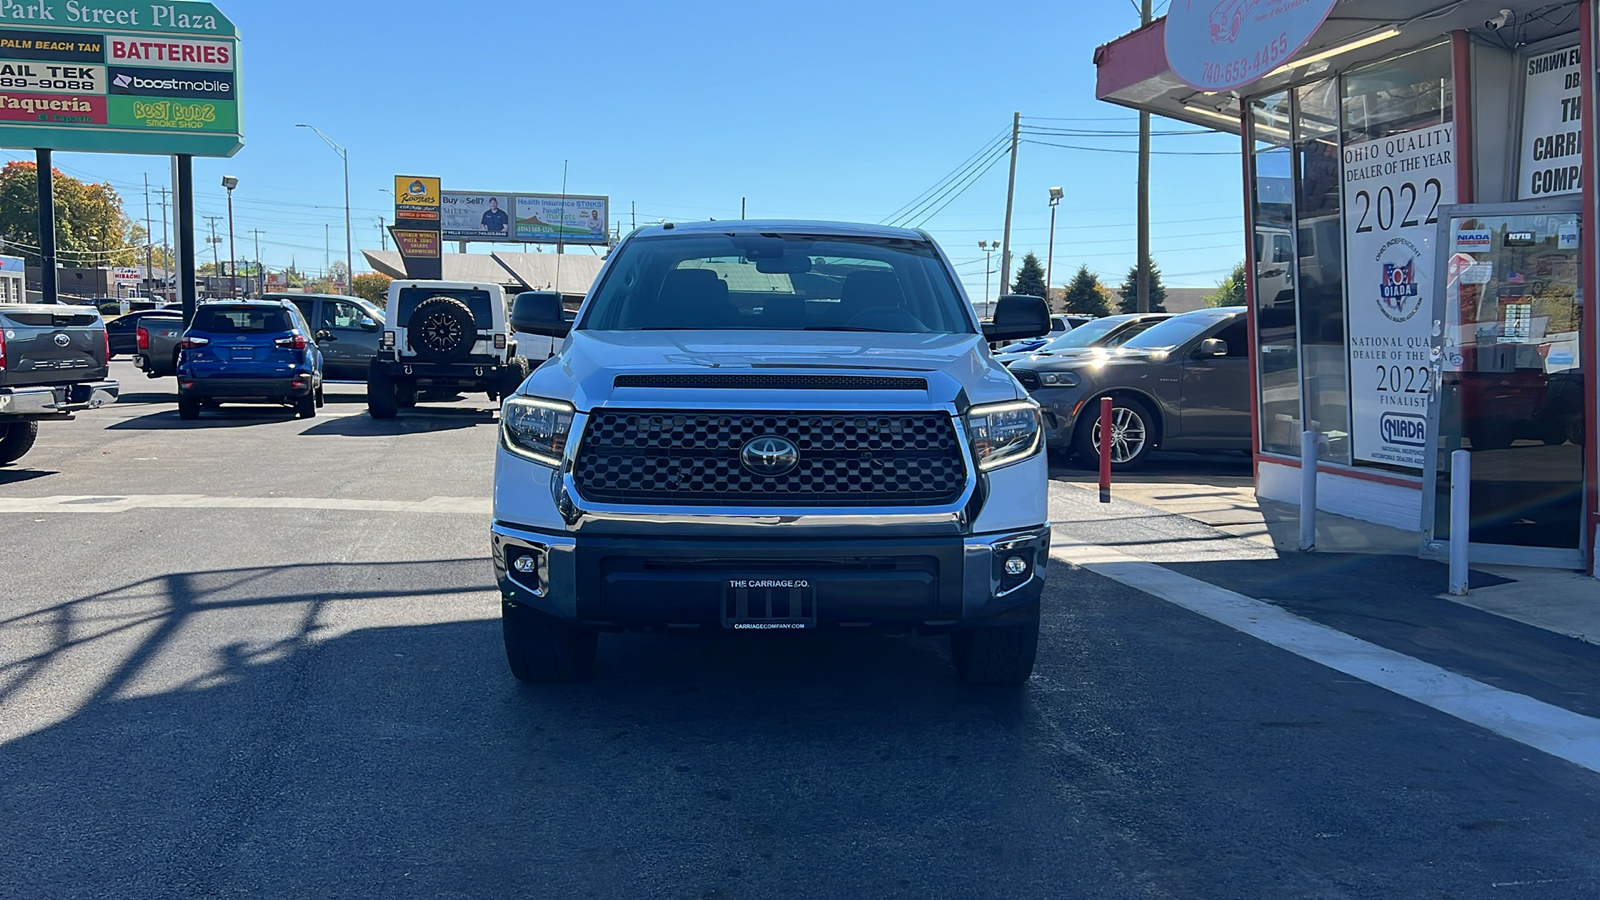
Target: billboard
[
  {"x": 552, "y": 218},
  {"x": 119, "y": 76},
  {"x": 477, "y": 216}
]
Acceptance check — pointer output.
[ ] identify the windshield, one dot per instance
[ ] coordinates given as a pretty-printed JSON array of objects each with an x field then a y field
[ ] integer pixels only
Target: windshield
[
  {"x": 1174, "y": 331},
  {"x": 777, "y": 282},
  {"x": 242, "y": 320},
  {"x": 1089, "y": 334}
]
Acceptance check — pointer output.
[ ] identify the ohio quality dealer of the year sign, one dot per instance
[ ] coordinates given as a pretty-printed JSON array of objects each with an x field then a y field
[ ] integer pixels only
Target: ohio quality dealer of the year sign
[{"x": 119, "y": 76}]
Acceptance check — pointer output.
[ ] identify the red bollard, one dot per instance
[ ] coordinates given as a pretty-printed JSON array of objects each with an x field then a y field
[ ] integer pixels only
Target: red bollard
[{"x": 1105, "y": 449}]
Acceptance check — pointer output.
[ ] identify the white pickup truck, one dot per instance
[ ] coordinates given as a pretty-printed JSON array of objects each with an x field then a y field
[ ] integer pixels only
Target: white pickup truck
[{"x": 772, "y": 426}]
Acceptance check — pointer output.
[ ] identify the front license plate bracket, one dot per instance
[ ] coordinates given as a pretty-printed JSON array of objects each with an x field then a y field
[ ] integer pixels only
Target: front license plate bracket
[{"x": 769, "y": 604}]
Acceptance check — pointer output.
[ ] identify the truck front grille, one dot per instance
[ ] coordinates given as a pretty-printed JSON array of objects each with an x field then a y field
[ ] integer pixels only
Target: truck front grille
[{"x": 844, "y": 459}]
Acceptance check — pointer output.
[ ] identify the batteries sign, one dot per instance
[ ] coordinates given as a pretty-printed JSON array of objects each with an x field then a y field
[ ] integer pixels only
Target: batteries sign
[{"x": 120, "y": 76}]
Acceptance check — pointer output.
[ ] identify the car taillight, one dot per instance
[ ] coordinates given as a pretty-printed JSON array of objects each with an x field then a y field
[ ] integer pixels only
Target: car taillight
[
  {"x": 143, "y": 338},
  {"x": 499, "y": 342},
  {"x": 293, "y": 342},
  {"x": 387, "y": 341},
  {"x": 190, "y": 343},
  {"x": 106, "y": 336},
  {"x": 2, "y": 351}
]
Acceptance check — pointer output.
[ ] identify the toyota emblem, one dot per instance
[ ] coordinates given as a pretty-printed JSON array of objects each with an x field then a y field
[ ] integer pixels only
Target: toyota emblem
[
  {"x": 62, "y": 340},
  {"x": 769, "y": 455}
]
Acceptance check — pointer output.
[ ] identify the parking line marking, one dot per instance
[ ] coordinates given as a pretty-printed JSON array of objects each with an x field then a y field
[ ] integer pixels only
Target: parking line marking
[
  {"x": 1543, "y": 726},
  {"x": 122, "y": 503}
]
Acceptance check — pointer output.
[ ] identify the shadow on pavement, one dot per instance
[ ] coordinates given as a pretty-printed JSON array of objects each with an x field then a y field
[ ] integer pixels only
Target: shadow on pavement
[
  {"x": 224, "y": 417},
  {"x": 9, "y": 474},
  {"x": 408, "y": 422}
]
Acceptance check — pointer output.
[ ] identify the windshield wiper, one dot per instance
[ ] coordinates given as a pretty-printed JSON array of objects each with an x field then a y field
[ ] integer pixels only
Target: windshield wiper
[{"x": 847, "y": 328}]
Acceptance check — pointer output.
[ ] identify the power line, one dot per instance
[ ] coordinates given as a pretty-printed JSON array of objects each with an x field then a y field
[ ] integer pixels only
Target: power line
[
  {"x": 910, "y": 210},
  {"x": 1000, "y": 152},
  {"x": 1154, "y": 152}
]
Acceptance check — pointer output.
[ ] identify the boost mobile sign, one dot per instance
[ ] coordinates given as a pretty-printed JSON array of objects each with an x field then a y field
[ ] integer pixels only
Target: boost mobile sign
[
  {"x": 1393, "y": 188},
  {"x": 119, "y": 76}
]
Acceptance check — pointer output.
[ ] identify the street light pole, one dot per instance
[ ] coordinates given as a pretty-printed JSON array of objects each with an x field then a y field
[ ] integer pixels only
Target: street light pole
[
  {"x": 1050, "y": 258},
  {"x": 230, "y": 182},
  {"x": 349, "y": 253},
  {"x": 988, "y": 248}
]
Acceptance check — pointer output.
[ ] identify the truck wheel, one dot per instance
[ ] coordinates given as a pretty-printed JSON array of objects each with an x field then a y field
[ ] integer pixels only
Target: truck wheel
[
  {"x": 442, "y": 330},
  {"x": 381, "y": 402},
  {"x": 1133, "y": 433},
  {"x": 405, "y": 393},
  {"x": 997, "y": 654},
  {"x": 516, "y": 372},
  {"x": 17, "y": 439},
  {"x": 306, "y": 407},
  {"x": 188, "y": 408},
  {"x": 542, "y": 651}
]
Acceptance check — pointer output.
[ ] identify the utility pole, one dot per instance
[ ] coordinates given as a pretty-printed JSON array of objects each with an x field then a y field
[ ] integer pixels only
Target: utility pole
[
  {"x": 1142, "y": 281},
  {"x": 327, "y": 253},
  {"x": 166, "y": 254},
  {"x": 1011, "y": 190},
  {"x": 633, "y": 206},
  {"x": 741, "y": 207},
  {"x": 149, "y": 239},
  {"x": 383, "y": 232},
  {"x": 260, "y": 288},
  {"x": 216, "y": 265}
]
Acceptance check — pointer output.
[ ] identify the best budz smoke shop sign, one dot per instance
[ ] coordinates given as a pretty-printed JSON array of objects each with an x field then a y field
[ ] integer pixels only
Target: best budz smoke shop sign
[{"x": 119, "y": 76}]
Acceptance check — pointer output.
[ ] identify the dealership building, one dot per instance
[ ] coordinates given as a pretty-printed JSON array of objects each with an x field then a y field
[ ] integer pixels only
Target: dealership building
[{"x": 1415, "y": 174}]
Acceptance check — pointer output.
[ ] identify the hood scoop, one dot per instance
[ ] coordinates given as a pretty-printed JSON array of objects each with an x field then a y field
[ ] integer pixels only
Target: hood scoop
[{"x": 765, "y": 381}]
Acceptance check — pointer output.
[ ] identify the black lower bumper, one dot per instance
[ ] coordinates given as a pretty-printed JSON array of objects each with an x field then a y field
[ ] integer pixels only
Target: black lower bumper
[
  {"x": 462, "y": 374},
  {"x": 270, "y": 389},
  {"x": 920, "y": 583}
]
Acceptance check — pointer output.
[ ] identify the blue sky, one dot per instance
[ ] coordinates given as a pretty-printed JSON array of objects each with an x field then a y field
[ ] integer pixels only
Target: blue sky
[{"x": 827, "y": 109}]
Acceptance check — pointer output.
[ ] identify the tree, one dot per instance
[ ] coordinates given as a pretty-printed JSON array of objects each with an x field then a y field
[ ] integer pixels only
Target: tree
[
  {"x": 337, "y": 272},
  {"x": 1129, "y": 301},
  {"x": 372, "y": 287},
  {"x": 1086, "y": 295},
  {"x": 1030, "y": 280},
  {"x": 1230, "y": 290},
  {"x": 91, "y": 227}
]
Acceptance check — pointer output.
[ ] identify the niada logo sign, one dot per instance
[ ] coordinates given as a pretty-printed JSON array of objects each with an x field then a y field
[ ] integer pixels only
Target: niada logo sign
[
  {"x": 1474, "y": 240},
  {"x": 1399, "y": 296},
  {"x": 1403, "y": 430}
]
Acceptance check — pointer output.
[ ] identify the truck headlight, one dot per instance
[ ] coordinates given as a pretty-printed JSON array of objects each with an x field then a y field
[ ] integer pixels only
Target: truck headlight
[
  {"x": 535, "y": 428},
  {"x": 1058, "y": 379},
  {"x": 1002, "y": 433}
]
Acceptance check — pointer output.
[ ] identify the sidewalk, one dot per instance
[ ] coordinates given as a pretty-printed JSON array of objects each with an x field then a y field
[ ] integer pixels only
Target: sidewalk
[{"x": 1533, "y": 632}]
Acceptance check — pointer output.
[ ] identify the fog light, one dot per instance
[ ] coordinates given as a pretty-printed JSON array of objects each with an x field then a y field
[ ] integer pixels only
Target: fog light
[
  {"x": 525, "y": 564},
  {"x": 1016, "y": 565}
]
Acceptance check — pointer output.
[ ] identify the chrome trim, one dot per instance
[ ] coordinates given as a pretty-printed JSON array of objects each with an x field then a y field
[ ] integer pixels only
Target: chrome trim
[
  {"x": 557, "y": 574},
  {"x": 579, "y": 513},
  {"x": 42, "y": 401}
]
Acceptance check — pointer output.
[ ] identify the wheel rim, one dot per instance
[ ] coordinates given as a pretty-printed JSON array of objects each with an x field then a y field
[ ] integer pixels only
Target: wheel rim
[
  {"x": 441, "y": 332},
  {"x": 1128, "y": 434}
]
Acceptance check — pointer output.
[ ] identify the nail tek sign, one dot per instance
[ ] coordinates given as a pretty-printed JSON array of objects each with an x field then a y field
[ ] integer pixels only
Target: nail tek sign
[{"x": 119, "y": 76}]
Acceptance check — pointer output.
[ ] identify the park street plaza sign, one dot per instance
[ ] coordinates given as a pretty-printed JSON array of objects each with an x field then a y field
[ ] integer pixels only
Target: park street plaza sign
[
  {"x": 1219, "y": 45},
  {"x": 119, "y": 76}
]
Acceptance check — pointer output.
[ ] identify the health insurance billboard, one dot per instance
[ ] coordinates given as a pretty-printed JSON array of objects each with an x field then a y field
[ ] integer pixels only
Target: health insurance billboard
[
  {"x": 502, "y": 217},
  {"x": 119, "y": 76}
]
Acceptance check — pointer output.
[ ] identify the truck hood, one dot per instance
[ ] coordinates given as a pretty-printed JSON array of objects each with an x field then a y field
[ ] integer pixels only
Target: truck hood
[{"x": 957, "y": 367}]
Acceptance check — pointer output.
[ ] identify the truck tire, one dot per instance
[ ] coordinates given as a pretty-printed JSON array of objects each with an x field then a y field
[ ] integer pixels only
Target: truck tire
[
  {"x": 516, "y": 372},
  {"x": 188, "y": 408},
  {"x": 997, "y": 654},
  {"x": 541, "y": 651},
  {"x": 441, "y": 330},
  {"x": 381, "y": 402},
  {"x": 405, "y": 393},
  {"x": 17, "y": 439}
]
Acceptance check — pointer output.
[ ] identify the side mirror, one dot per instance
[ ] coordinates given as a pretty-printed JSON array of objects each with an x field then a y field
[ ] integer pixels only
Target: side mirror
[
  {"x": 1018, "y": 316},
  {"x": 368, "y": 324},
  {"x": 539, "y": 312},
  {"x": 1213, "y": 347}
]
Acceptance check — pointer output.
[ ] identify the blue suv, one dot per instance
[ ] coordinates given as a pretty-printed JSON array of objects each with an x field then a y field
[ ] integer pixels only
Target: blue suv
[{"x": 252, "y": 351}]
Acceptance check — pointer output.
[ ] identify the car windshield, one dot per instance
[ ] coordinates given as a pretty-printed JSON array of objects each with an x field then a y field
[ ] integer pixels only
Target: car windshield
[
  {"x": 242, "y": 320},
  {"x": 813, "y": 282},
  {"x": 1174, "y": 331},
  {"x": 1089, "y": 334},
  {"x": 477, "y": 301}
]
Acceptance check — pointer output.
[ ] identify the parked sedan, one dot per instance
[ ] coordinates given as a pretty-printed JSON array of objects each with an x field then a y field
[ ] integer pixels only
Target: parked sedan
[
  {"x": 1182, "y": 384},
  {"x": 1096, "y": 334},
  {"x": 253, "y": 351},
  {"x": 123, "y": 330}
]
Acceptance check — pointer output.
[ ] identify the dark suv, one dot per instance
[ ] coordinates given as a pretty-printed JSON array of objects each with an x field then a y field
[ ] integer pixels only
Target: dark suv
[
  {"x": 1182, "y": 384},
  {"x": 254, "y": 351}
]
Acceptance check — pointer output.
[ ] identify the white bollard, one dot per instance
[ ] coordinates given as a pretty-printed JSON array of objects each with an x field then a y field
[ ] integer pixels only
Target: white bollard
[
  {"x": 1460, "y": 519},
  {"x": 1308, "y": 490}
]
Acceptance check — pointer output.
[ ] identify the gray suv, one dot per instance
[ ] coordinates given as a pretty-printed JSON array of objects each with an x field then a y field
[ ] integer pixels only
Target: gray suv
[
  {"x": 1182, "y": 384},
  {"x": 346, "y": 330}
]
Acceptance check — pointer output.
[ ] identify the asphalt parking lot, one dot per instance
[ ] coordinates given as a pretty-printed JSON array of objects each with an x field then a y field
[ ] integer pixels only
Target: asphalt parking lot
[{"x": 260, "y": 656}]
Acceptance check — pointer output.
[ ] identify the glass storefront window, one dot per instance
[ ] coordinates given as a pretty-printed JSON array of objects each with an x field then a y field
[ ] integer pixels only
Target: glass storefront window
[
  {"x": 1272, "y": 211},
  {"x": 1319, "y": 242}
]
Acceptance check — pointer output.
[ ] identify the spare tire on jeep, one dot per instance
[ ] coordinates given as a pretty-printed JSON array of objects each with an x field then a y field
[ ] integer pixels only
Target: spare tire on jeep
[{"x": 442, "y": 330}]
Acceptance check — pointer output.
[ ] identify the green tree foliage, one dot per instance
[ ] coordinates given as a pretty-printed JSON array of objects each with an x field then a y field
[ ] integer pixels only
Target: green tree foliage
[
  {"x": 1230, "y": 290},
  {"x": 1128, "y": 302},
  {"x": 1086, "y": 295},
  {"x": 91, "y": 227},
  {"x": 1030, "y": 279},
  {"x": 372, "y": 287}
]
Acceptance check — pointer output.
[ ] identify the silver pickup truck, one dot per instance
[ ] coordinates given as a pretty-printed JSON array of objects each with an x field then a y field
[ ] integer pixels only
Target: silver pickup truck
[{"x": 53, "y": 363}]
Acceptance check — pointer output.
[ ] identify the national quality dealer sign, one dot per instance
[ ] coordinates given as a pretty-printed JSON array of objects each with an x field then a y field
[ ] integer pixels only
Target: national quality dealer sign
[{"x": 119, "y": 76}]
